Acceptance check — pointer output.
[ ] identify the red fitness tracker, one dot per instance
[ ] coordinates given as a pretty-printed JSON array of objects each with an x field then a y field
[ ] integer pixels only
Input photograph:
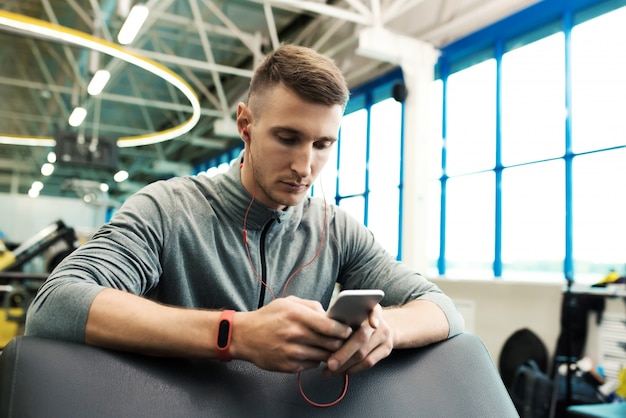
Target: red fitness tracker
[{"x": 224, "y": 333}]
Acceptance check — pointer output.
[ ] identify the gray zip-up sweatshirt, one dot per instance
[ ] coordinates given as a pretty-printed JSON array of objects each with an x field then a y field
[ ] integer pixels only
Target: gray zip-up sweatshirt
[{"x": 181, "y": 242}]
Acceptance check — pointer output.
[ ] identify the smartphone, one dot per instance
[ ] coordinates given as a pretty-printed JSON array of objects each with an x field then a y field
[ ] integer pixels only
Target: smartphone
[{"x": 352, "y": 307}]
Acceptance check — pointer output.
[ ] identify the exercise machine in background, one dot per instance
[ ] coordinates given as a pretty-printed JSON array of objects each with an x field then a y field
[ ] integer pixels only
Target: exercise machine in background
[{"x": 18, "y": 288}]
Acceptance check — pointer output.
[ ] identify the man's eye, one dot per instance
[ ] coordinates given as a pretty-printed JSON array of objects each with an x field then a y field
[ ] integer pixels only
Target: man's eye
[
  {"x": 322, "y": 144},
  {"x": 286, "y": 140}
]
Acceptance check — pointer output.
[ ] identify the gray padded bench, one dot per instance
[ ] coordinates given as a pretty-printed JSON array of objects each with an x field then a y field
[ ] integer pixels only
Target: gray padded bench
[{"x": 46, "y": 378}]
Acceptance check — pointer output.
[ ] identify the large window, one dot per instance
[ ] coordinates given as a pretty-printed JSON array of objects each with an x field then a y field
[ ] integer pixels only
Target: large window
[
  {"x": 528, "y": 154},
  {"x": 534, "y": 167}
]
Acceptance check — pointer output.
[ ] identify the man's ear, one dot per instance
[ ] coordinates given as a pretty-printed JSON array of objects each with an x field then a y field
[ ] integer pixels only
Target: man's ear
[{"x": 243, "y": 121}]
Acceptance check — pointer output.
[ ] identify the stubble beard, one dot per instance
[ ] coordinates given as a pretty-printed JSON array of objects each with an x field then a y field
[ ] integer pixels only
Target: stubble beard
[{"x": 266, "y": 188}]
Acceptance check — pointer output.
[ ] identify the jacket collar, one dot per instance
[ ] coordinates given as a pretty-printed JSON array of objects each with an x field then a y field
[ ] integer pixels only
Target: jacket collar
[{"x": 236, "y": 200}]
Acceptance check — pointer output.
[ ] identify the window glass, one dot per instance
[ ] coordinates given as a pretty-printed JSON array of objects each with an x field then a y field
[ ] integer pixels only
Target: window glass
[
  {"x": 471, "y": 119},
  {"x": 383, "y": 217},
  {"x": 533, "y": 221},
  {"x": 599, "y": 203},
  {"x": 435, "y": 172},
  {"x": 598, "y": 82},
  {"x": 352, "y": 147},
  {"x": 533, "y": 101},
  {"x": 355, "y": 206},
  {"x": 384, "y": 172},
  {"x": 470, "y": 226}
]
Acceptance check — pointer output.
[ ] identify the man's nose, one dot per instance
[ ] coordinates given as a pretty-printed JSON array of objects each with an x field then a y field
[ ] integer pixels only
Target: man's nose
[{"x": 302, "y": 160}]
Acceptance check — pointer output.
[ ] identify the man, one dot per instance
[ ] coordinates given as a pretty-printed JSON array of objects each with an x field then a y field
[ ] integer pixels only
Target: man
[{"x": 182, "y": 254}]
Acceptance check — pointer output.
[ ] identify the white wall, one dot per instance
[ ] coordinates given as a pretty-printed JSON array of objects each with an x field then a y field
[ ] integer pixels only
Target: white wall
[
  {"x": 503, "y": 307},
  {"x": 21, "y": 216}
]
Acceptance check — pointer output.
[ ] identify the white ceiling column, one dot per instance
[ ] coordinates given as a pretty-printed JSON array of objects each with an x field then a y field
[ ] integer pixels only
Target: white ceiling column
[{"x": 417, "y": 60}]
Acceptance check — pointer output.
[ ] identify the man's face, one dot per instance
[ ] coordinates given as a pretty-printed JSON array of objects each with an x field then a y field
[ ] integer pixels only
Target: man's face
[{"x": 288, "y": 142}]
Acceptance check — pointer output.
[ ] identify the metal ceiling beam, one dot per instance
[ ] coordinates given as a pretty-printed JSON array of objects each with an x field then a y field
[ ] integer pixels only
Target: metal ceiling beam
[
  {"x": 193, "y": 63},
  {"x": 362, "y": 8},
  {"x": 35, "y": 85},
  {"x": 100, "y": 23},
  {"x": 199, "y": 85},
  {"x": 398, "y": 8},
  {"x": 208, "y": 53},
  {"x": 47, "y": 75},
  {"x": 66, "y": 50},
  {"x": 328, "y": 33},
  {"x": 322, "y": 9},
  {"x": 82, "y": 14},
  {"x": 183, "y": 23},
  {"x": 271, "y": 25},
  {"x": 245, "y": 39}
]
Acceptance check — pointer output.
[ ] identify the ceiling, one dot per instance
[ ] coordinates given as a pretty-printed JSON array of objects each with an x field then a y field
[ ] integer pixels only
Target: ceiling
[{"x": 212, "y": 45}]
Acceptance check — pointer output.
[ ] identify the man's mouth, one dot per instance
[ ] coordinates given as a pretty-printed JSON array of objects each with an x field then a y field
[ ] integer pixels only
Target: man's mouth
[{"x": 295, "y": 185}]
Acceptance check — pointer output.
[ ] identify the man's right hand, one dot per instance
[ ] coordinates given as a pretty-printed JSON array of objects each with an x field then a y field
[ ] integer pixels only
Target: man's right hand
[{"x": 288, "y": 335}]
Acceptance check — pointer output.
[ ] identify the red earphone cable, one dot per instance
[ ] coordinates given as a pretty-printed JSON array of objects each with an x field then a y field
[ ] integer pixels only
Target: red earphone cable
[
  {"x": 324, "y": 405},
  {"x": 299, "y": 269}
]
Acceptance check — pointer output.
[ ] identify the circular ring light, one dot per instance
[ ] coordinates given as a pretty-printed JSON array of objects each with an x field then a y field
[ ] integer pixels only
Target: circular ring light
[{"x": 61, "y": 33}]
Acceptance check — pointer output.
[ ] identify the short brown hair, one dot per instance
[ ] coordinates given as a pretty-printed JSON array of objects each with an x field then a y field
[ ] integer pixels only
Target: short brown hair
[{"x": 311, "y": 75}]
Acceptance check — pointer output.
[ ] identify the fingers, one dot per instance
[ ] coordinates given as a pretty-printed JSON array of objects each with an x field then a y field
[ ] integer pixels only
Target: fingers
[
  {"x": 314, "y": 318},
  {"x": 374, "y": 316},
  {"x": 368, "y": 345}
]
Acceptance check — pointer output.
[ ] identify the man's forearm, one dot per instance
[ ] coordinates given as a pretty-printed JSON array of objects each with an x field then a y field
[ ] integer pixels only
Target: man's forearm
[
  {"x": 123, "y": 321},
  {"x": 416, "y": 324}
]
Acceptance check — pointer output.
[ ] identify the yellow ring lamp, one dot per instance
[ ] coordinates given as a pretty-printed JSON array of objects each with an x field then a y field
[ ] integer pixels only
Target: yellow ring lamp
[{"x": 49, "y": 30}]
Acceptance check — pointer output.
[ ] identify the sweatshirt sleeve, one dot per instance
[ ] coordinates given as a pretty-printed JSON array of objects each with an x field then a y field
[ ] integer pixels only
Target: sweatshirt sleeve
[
  {"x": 123, "y": 254},
  {"x": 368, "y": 265}
]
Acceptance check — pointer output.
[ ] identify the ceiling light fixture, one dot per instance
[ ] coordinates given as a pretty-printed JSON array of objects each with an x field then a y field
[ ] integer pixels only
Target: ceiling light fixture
[
  {"x": 37, "y": 185},
  {"x": 97, "y": 83},
  {"x": 133, "y": 23},
  {"x": 47, "y": 169},
  {"x": 49, "y": 30},
  {"x": 32, "y": 141},
  {"x": 77, "y": 117},
  {"x": 120, "y": 176}
]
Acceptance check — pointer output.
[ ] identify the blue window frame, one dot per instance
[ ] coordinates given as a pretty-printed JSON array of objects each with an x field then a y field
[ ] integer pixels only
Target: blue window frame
[
  {"x": 544, "y": 139},
  {"x": 536, "y": 99}
]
